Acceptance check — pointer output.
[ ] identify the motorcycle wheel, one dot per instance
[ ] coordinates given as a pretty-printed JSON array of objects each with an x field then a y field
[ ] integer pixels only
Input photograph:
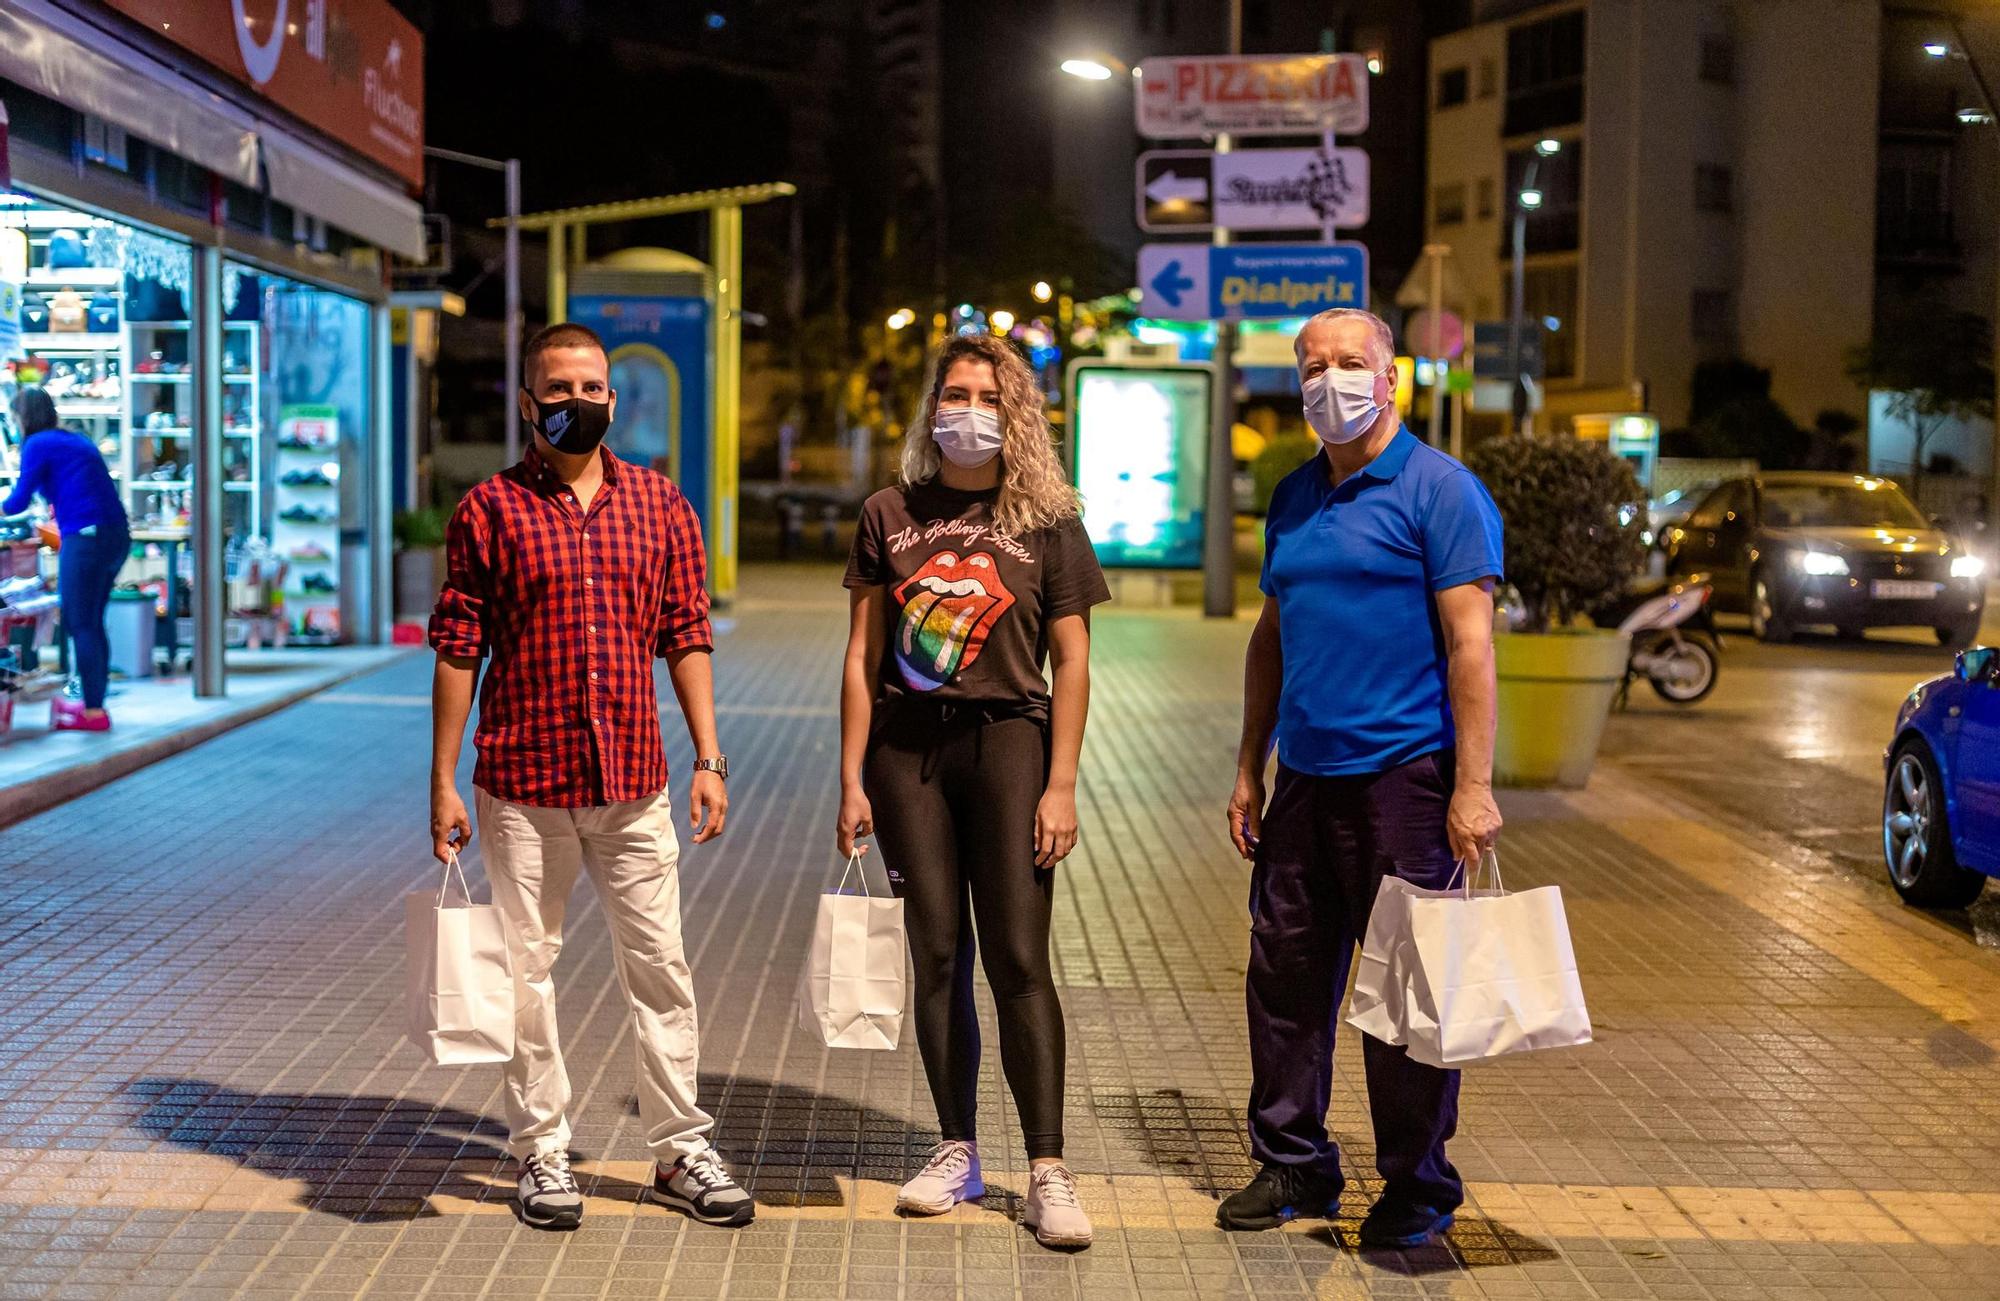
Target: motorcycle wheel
[{"x": 1687, "y": 673}]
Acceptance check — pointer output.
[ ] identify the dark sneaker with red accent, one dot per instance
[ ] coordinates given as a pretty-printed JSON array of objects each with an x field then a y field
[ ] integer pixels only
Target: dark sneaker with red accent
[
  {"x": 700, "y": 1188},
  {"x": 1392, "y": 1227},
  {"x": 1280, "y": 1193},
  {"x": 548, "y": 1193}
]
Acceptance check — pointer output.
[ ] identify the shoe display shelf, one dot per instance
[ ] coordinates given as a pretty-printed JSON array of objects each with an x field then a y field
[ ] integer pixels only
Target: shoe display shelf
[{"x": 305, "y": 530}]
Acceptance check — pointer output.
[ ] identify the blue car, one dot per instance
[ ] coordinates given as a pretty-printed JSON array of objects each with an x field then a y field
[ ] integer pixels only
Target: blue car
[{"x": 1941, "y": 805}]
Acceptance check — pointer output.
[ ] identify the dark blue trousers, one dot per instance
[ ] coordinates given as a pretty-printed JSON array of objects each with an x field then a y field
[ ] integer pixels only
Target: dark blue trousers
[
  {"x": 89, "y": 564},
  {"x": 1327, "y": 843}
]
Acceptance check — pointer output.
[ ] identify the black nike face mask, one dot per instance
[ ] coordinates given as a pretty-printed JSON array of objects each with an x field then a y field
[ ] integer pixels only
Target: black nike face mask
[{"x": 574, "y": 426}]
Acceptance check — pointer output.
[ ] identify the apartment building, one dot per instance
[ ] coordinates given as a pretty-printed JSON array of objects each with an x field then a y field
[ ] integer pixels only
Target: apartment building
[{"x": 1713, "y": 193}]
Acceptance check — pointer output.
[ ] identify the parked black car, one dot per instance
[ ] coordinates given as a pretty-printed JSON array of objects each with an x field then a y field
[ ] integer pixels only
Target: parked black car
[{"x": 1796, "y": 547}]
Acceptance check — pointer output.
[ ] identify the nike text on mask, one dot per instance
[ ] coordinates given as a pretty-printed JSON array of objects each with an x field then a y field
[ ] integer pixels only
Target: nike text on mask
[
  {"x": 574, "y": 426},
  {"x": 1340, "y": 404},
  {"x": 969, "y": 437}
]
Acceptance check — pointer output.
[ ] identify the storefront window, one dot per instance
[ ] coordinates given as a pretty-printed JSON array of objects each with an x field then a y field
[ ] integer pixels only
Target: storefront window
[
  {"x": 96, "y": 312},
  {"x": 311, "y": 407}
]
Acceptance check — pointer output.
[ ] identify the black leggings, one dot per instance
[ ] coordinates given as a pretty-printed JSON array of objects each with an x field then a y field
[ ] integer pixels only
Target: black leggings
[{"x": 954, "y": 797}]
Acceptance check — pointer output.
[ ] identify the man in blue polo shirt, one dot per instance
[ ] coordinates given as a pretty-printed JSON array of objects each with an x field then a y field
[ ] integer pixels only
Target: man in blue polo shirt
[{"x": 1372, "y": 664}]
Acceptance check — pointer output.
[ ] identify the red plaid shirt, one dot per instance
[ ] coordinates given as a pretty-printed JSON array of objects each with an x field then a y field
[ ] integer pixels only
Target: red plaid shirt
[{"x": 571, "y": 607}]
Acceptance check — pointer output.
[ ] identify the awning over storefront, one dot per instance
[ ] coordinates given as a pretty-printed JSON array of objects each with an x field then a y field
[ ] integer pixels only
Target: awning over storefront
[
  {"x": 80, "y": 65},
  {"x": 311, "y": 181}
]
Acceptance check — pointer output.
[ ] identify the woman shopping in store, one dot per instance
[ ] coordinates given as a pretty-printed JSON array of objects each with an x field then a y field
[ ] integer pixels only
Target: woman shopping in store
[
  {"x": 958, "y": 757},
  {"x": 67, "y": 471}
]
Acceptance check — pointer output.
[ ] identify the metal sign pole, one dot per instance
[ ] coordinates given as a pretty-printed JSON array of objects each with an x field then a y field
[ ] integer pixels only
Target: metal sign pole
[{"x": 1218, "y": 551}]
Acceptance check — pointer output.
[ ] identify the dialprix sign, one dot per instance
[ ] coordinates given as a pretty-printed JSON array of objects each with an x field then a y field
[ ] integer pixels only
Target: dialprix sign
[
  {"x": 352, "y": 68},
  {"x": 1138, "y": 446},
  {"x": 1241, "y": 282}
]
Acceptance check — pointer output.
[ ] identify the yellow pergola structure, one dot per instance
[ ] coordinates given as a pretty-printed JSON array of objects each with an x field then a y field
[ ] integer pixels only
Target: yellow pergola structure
[{"x": 567, "y": 230}]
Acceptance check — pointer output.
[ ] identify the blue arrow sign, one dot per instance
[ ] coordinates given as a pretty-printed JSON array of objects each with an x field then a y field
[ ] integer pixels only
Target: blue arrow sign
[
  {"x": 1172, "y": 284},
  {"x": 1238, "y": 282}
]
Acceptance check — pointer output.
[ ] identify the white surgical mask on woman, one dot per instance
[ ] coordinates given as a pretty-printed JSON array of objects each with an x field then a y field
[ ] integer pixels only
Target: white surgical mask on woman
[
  {"x": 1340, "y": 404},
  {"x": 969, "y": 437}
]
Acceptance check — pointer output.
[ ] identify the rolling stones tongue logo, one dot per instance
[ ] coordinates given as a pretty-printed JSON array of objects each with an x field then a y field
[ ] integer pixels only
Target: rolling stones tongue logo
[{"x": 949, "y": 606}]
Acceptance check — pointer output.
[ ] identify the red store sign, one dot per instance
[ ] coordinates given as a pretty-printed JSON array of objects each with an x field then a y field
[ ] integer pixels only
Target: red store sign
[
  {"x": 1283, "y": 94},
  {"x": 352, "y": 68}
]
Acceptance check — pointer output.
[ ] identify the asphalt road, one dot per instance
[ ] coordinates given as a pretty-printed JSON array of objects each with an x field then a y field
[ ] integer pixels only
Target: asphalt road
[{"x": 1790, "y": 743}]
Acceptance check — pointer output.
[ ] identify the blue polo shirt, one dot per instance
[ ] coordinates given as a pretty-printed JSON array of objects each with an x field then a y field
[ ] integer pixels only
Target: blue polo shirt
[{"x": 1353, "y": 569}]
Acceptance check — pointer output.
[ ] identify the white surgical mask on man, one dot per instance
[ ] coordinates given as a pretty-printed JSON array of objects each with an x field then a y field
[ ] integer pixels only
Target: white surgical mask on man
[
  {"x": 969, "y": 437},
  {"x": 1340, "y": 404}
]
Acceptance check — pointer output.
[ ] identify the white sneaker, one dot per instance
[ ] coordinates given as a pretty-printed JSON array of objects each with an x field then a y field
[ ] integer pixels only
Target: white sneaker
[
  {"x": 1053, "y": 1211},
  {"x": 549, "y": 1196},
  {"x": 950, "y": 1176}
]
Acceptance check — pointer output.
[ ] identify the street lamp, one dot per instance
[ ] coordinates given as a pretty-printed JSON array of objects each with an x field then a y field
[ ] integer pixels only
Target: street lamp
[
  {"x": 1937, "y": 49},
  {"x": 1001, "y": 320},
  {"x": 1528, "y": 200},
  {"x": 1043, "y": 291},
  {"x": 1089, "y": 69},
  {"x": 900, "y": 318}
]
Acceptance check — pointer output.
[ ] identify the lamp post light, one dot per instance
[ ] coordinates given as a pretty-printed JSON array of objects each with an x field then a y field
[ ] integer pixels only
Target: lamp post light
[
  {"x": 1528, "y": 200},
  {"x": 1043, "y": 291}
]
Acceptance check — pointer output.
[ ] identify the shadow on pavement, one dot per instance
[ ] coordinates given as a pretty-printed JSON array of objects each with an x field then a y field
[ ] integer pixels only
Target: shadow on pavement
[{"x": 371, "y": 1158}]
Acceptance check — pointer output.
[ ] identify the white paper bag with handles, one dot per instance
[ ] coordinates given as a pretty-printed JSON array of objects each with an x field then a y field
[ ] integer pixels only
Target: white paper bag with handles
[
  {"x": 460, "y": 986},
  {"x": 1465, "y": 975},
  {"x": 851, "y": 991}
]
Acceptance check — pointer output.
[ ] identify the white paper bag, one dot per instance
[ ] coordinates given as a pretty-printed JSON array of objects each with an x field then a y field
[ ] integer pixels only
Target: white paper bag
[
  {"x": 461, "y": 977},
  {"x": 1462, "y": 976},
  {"x": 851, "y": 991}
]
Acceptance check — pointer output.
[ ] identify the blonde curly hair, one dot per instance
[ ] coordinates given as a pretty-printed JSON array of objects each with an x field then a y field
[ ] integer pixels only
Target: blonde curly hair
[{"x": 1034, "y": 491}]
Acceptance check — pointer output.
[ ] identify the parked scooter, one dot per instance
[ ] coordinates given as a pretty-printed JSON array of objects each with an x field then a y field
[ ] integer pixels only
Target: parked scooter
[{"x": 1675, "y": 646}]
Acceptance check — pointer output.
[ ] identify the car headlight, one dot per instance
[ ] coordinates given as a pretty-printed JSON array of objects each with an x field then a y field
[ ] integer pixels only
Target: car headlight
[
  {"x": 1967, "y": 566},
  {"x": 1819, "y": 562}
]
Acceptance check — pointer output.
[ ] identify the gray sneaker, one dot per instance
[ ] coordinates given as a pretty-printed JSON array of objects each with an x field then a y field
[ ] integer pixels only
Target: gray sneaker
[
  {"x": 949, "y": 1177},
  {"x": 1054, "y": 1211},
  {"x": 548, "y": 1193},
  {"x": 700, "y": 1187}
]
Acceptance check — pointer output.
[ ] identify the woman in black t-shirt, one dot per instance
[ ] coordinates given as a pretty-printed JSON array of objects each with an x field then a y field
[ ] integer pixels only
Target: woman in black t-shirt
[{"x": 958, "y": 757}]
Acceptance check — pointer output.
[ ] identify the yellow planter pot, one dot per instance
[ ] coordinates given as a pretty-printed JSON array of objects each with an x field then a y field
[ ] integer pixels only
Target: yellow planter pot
[{"x": 1556, "y": 690}]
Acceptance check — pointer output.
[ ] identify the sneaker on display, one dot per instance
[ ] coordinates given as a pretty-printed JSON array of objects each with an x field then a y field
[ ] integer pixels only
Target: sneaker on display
[
  {"x": 1054, "y": 1211},
  {"x": 950, "y": 1176},
  {"x": 549, "y": 1196},
  {"x": 700, "y": 1187}
]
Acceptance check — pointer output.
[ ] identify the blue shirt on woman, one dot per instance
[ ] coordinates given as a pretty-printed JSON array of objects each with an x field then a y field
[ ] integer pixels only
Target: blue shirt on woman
[{"x": 67, "y": 471}]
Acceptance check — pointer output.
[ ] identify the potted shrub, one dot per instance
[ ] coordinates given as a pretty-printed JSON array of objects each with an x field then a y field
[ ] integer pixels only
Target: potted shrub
[
  {"x": 1572, "y": 541},
  {"x": 419, "y": 559}
]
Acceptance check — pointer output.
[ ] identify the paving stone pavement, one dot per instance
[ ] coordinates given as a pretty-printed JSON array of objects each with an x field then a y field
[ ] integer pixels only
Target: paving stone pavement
[{"x": 205, "y": 1093}]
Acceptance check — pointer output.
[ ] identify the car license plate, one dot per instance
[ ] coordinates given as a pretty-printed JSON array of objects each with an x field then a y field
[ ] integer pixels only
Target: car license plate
[{"x": 1900, "y": 590}]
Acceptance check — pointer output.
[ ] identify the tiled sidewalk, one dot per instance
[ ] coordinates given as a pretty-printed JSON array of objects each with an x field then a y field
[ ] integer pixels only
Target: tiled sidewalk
[{"x": 1793, "y": 1093}]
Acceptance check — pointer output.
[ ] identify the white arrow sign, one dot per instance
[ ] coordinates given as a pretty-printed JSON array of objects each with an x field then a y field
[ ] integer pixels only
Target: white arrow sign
[
  {"x": 1169, "y": 187},
  {"x": 1255, "y": 189}
]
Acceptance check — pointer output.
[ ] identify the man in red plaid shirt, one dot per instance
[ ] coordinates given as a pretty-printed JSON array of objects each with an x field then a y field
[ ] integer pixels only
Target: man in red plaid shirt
[{"x": 569, "y": 573}]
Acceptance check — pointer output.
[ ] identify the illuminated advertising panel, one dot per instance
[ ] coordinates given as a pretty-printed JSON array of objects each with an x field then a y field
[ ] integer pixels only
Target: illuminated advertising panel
[{"x": 1139, "y": 455}]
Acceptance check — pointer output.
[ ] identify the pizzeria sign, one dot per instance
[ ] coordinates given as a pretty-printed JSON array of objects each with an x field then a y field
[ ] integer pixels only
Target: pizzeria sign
[{"x": 1285, "y": 94}]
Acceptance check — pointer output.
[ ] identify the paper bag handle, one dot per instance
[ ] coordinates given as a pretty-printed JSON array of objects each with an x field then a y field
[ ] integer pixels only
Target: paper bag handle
[
  {"x": 853, "y": 861},
  {"x": 1471, "y": 879},
  {"x": 444, "y": 886}
]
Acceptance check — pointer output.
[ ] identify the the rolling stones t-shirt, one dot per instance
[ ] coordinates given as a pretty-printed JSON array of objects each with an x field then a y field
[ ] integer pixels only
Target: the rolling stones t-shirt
[{"x": 968, "y": 609}]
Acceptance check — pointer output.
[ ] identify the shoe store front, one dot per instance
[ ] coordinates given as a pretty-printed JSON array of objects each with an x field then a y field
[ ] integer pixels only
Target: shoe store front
[{"x": 198, "y": 280}]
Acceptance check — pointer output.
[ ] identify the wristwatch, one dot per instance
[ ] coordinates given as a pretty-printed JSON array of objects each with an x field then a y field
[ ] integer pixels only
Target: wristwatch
[{"x": 719, "y": 765}]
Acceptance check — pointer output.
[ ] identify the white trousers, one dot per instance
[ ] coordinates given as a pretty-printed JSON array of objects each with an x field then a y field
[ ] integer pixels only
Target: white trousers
[{"x": 532, "y": 856}]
